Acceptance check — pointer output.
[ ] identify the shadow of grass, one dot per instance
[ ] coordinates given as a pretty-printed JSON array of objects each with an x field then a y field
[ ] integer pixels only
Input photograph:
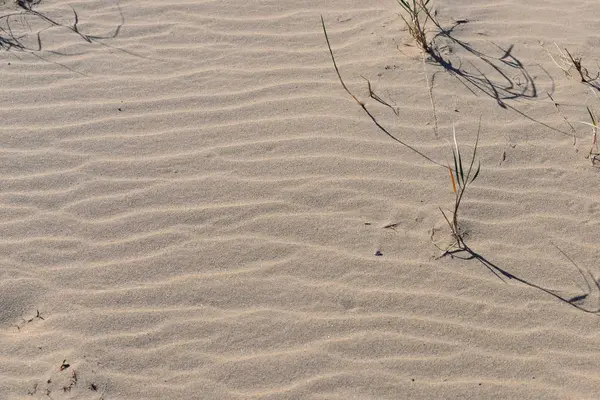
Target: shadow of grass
[{"x": 580, "y": 301}]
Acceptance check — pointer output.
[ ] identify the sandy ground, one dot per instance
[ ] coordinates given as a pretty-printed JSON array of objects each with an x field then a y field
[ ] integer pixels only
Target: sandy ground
[{"x": 191, "y": 204}]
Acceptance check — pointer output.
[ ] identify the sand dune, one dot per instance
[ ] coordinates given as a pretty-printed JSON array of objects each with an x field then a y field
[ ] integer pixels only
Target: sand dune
[{"x": 191, "y": 204}]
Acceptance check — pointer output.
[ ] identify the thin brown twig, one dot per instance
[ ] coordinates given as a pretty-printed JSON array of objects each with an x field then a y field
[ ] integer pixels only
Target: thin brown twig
[
  {"x": 362, "y": 105},
  {"x": 377, "y": 98},
  {"x": 430, "y": 90},
  {"x": 583, "y": 72},
  {"x": 556, "y": 105}
]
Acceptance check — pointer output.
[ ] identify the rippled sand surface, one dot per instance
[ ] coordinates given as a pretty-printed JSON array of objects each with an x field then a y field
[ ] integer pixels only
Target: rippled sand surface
[{"x": 191, "y": 204}]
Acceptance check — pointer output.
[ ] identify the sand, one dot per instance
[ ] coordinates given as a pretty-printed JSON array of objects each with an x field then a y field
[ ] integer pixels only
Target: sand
[{"x": 191, "y": 204}]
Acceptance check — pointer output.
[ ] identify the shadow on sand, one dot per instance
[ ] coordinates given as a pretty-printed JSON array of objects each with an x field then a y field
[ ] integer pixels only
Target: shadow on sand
[
  {"x": 501, "y": 76},
  {"x": 581, "y": 301},
  {"x": 15, "y": 27},
  {"x": 17, "y": 33}
]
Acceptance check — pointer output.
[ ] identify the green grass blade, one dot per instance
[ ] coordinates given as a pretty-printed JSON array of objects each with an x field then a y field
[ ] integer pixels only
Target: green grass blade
[
  {"x": 474, "y": 150},
  {"x": 476, "y": 172},
  {"x": 456, "y": 168},
  {"x": 460, "y": 174},
  {"x": 460, "y": 165},
  {"x": 592, "y": 117}
]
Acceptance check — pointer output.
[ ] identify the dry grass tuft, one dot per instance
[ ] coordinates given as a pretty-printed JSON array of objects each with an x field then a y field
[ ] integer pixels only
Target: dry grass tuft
[
  {"x": 420, "y": 12},
  {"x": 461, "y": 177}
]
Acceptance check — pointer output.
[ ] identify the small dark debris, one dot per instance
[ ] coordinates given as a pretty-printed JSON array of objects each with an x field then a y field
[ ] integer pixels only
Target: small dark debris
[
  {"x": 64, "y": 365},
  {"x": 120, "y": 109},
  {"x": 412, "y": 379},
  {"x": 378, "y": 253},
  {"x": 93, "y": 387},
  {"x": 461, "y": 21},
  {"x": 367, "y": 223}
]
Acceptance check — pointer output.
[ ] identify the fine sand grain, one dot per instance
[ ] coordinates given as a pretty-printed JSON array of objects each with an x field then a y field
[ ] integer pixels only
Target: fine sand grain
[{"x": 191, "y": 204}]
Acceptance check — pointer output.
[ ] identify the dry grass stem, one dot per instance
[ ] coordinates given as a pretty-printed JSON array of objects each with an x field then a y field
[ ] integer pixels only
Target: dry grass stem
[
  {"x": 366, "y": 110},
  {"x": 557, "y": 106},
  {"x": 567, "y": 62}
]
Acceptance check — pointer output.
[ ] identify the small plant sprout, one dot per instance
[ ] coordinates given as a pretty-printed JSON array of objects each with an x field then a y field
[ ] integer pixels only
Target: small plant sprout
[
  {"x": 419, "y": 14},
  {"x": 461, "y": 177}
]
